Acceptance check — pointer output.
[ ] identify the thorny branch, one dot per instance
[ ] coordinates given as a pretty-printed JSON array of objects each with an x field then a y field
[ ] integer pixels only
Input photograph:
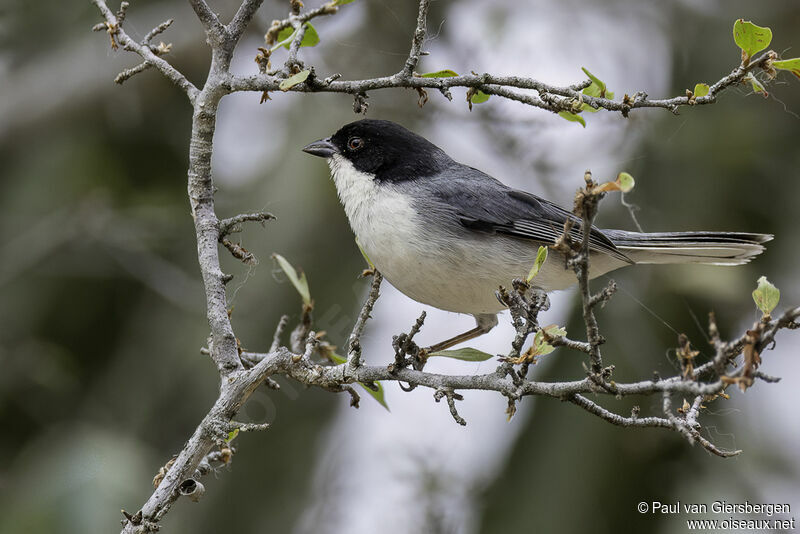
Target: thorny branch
[{"x": 242, "y": 372}]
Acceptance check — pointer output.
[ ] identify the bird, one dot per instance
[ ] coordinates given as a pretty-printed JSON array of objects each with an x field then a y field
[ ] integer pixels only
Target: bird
[{"x": 448, "y": 235}]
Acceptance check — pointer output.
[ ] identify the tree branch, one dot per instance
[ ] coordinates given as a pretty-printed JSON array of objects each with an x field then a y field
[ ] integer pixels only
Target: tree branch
[
  {"x": 302, "y": 18},
  {"x": 586, "y": 208},
  {"x": 233, "y": 224},
  {"x": 224, "y": 349},
  {"x": 114, "y": 28},
  {"x": 418, "y": 39},
  {"x": 333, "y": 375},
  {"x": 551, "y": 98},
  {"x": 242, "y": 18},
  {"x": 213, "y": 430},
  {"x": 336, "y": 376},
  {"x": 354, "y": 342},
  {"x": 215, "y": 30},
  {"x": 452, "y": 397}
]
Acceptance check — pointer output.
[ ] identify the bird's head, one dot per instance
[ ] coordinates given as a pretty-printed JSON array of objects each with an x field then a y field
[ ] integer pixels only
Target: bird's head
[{"x": 383, "y": 149}]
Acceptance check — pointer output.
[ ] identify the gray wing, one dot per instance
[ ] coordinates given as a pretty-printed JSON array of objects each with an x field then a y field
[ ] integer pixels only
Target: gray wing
[{"x": 484, "y": 204}]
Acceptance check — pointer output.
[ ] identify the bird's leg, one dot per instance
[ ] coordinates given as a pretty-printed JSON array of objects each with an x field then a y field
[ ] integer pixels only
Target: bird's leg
[
  {"x": 455, "y": 340},
  {"x": 485, "y": 322}
]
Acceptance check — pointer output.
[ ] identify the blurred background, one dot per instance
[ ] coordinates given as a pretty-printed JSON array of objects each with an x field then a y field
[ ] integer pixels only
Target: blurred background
[{"x": 102, "y": 311}]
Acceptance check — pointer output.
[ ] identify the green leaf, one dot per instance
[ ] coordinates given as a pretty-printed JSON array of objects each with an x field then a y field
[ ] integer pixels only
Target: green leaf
[
  {"x": 336, "y": 358},
  {"x": 232, "y": 435},
  {"x": 572, "y": 117},
  {"x": 625, "y": 182},
  {"x": 447, "y": 73},
  {"x": 479, "y": 97},
  {"x": 311, "y": 37},
  {"x": 701, "y": 89},
  {"x": 377, "y": 395},
  {"x": 766, "y": 296},
  {"x": 792, "y": 65},
  {"x": 286, "y": 35},
  {"x": 757, "y": 86},
  {"x": 750, "y": 38},
  {"x": 341, "y": 2},
  {"x": 595, "y": 80},
  {"x": 467, "y": 354},
  {"x": 597, "y": 89},
  {"x": 541, "y": 256},
  {"x": 298, "y": 281},
  {"x": 541, "y": 347},
  {"x": 291, "y": 81},
  {"x": 363, "y": 253}
]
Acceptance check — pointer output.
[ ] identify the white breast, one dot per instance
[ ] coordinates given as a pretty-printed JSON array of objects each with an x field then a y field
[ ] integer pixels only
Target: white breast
[
  {"x": 380, "y": 217},
  {"x": 405, "y": 249}
]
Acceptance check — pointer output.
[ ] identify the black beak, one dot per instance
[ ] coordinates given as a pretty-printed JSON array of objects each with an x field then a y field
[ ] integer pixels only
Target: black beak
[{"x": 322, "y": 148}]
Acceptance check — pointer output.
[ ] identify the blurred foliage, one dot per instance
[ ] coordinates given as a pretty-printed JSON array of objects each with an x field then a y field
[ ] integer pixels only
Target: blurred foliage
[{"x": 102, "y": 312}]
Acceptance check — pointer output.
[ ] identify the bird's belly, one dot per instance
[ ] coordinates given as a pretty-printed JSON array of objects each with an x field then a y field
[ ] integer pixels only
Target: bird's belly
[
  {"x": 461, "y": 273},
  {"x": 429, "y": 279},
  {"x": 458, "y": 273}
]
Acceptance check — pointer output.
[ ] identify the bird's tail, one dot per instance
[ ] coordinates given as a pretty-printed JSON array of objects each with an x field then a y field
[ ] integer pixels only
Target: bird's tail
[{"x": 712, "y": 248}]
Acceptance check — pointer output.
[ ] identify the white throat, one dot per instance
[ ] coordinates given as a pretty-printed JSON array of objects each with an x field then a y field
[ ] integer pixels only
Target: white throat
[{"x": 357, "y": 191}]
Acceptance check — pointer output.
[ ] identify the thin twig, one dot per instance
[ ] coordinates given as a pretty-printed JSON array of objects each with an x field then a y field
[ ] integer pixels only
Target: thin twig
[
  {"x": 354, "y": 341},
  {"x": 126, "y": 74},
  {"x": 249, "y": 427},
  {"x": 417, "y": 40},
  {"x": 215, "y": 30},
  {"x": 452, "y": 397},
  {"x": 156, "y": 31},
  {"x": 586, "y": 202},
  {"x": 170, "y": 72},
  {"x": 615, "y": 419},
  {"x": 233, "y": 224},
  {"x": 242, "y": 18},
  {"x": 294, "y": 47},
  {"x": 276, "y": 338},
  {"x": 278, "y": 25}
]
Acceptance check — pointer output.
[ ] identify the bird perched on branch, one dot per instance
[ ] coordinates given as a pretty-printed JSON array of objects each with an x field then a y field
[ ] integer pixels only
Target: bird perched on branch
[{"x": 447, "y": 235}]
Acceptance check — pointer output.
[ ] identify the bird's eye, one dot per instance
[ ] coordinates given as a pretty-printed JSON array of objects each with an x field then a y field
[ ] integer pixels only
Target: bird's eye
[{"x": 354, "y": 143}]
